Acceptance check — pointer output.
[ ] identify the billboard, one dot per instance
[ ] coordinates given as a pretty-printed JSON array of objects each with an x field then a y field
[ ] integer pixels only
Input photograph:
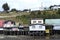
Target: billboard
[
  {"x": 36, "y": 28},
  {"x": 52, "y": 21},
  {"x": 1, "y": 23}
]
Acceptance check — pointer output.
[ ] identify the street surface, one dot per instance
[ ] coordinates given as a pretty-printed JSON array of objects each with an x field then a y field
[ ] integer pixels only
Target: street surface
[{"x": 22, "y": 37}]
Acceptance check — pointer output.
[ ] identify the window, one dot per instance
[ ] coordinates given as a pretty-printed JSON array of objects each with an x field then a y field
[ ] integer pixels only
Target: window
[
  {"x": 39, "y": 21},
  {"x": 40, "y": 26},
  {"x": 33, "y": 27},
  {"x": 34, "y": 22}
]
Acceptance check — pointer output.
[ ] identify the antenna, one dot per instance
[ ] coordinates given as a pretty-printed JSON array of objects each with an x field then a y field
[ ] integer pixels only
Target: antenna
[
  {"x": 41, "y": 7},
  {"x": 41, "y": 4}
]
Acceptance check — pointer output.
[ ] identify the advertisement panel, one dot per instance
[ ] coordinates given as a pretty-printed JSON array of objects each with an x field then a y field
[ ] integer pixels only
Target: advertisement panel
[
  {"x": 52, "y": 21},
  {"x": 1, "y": 23},
  {"x": 36, "y": 28}
]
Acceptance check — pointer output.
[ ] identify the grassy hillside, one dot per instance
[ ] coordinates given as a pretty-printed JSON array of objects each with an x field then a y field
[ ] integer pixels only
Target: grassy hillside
[
  {"x": 24, "y": 17},
  {"x": 14, "y": 13}
]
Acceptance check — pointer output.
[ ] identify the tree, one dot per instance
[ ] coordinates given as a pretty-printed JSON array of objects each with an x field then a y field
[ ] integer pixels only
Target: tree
[
  {"x": 32, "y": 15},
  {"x": 39, "y": 12},
  {"x": 50, "y": 7},
  {"x": 58, "y": 12},
  {"x": 13, "y": 10},
  {"x": 5, "y": 7},
  {"x": 25, "y": 10}
]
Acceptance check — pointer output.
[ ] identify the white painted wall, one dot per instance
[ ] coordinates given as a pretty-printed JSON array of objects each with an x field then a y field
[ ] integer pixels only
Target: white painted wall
[
  {"x": 56, "y": 27},
  {"x": 37, "y": 28},
  {"x": 1, "y": 28},
  {"x": 32, "y": 21}
]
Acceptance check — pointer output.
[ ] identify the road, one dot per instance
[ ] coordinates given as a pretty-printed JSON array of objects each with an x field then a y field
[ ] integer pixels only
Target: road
[
  {"x": 8, "y": 16},
  {"x": 22, "y": 37}
]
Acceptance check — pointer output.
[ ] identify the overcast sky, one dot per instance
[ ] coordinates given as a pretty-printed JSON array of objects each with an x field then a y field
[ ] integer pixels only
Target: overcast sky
[{"x": 27, "y": 4}]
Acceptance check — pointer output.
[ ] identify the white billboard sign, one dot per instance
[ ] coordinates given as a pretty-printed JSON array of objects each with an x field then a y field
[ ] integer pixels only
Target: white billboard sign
[
  {"x": 36, "y": 28},
  {"x": 52, "y": 21}
]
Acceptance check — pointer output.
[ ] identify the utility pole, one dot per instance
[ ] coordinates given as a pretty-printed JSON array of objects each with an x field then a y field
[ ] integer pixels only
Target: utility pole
[{"x": 41, "y": 6}]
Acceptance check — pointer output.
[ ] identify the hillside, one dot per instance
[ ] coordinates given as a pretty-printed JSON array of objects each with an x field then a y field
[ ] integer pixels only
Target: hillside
[
  {"x": 14, "y": 13},
  {"x": 12, "y": 16},
  {"x": 24, "y": 17}
]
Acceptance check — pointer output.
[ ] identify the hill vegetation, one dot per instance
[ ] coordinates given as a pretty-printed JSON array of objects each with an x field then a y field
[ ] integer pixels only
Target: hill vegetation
[{"x": 24, "y": 17}]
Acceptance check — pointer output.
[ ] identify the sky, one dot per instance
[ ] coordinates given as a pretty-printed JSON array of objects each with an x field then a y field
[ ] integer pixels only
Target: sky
[{"x": 28, "y": 4}]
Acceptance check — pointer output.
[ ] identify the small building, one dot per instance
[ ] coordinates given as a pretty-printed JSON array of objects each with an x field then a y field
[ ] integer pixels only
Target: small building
[
  {"x": 54, "y": 22},
  {"x": 9, "y": 23},
  {"x": 37, "y": 27}
]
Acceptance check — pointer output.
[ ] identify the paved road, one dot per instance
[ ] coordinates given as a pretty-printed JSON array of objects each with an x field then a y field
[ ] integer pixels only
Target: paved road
[
  {"x": 22, "y": 37},
  {"x": 8, "y": 16}
]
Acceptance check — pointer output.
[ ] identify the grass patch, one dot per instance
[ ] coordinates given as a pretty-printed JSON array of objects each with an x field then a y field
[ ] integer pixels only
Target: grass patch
[{"x": 24, "y": 19}]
